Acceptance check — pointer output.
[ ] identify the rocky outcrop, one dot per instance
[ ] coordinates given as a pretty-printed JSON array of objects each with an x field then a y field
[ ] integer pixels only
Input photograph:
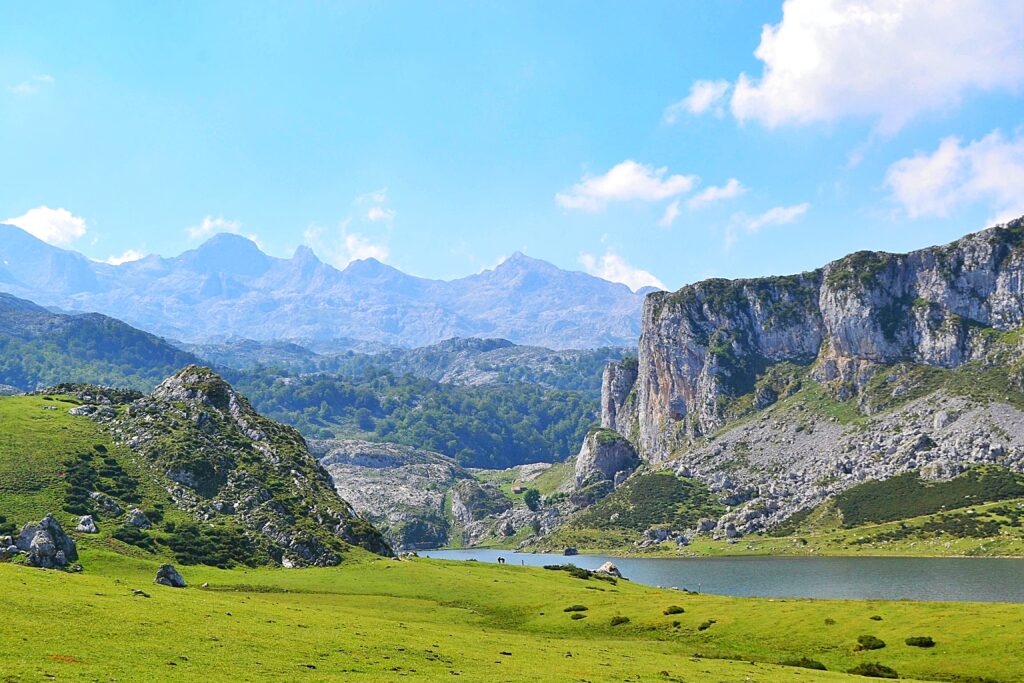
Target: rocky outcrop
[
  {"x": 605, "y": 455},
  {"x": 46, "y": 545},
  {"x": 400, "y": 489},
  {"x": 86, "y": 525},
  {"x": 713, "y": 342},
  {"x": 220, "y": 460},
  {"x": 618, "y": 398}
]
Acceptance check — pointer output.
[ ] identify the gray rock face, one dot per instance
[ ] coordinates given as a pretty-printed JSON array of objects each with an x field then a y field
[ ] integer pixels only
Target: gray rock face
[
  {"x": 87, "y": 525},
  {"x": 107, "y": 503},
  {"x": 400, "y": 489},
  {"x": 473, "y": 502},
  {"x": 708, "y": 341},
  {"x": 167, "y": 575},
  {"x": 46, "y": 544},
  {"x": 138, "y": 518},
  {"x": 618, "y": 400},
  {"x": 610, "y": 569},
  {"x": 605, "y": 455}
]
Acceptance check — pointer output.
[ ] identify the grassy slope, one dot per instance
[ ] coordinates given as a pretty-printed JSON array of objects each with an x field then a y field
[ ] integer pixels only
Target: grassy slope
[{"x": 376, "y": 619}]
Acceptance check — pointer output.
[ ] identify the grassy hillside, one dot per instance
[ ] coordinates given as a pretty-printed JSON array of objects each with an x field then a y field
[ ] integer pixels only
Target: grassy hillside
[{"x": 431, "y": 620}]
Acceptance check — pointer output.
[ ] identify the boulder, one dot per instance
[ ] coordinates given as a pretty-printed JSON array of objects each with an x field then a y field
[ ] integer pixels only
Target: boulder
[
  {"x": 86, "y": 525},
  {"x": 570, "y": 551},
  {"x": 137, "y": 517},
  {"x": 107, "y": 503},
  {"x": 604, "y": 456},
  {"x": 46, "y": 544},
  {"x": 167, "y": 575},
  {"x": 609, "y": 569}
]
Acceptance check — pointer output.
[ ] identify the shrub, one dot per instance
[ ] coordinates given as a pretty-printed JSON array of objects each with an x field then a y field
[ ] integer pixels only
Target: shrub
[
  {"x": 829, "y": 621},
  {"x": 577, "y": 615},
  {"x": 875, "y": 618},
  {"x": 619, "y": 619},
  {"x": 6, "y": 528},
  {"x": 870, "y": 643},
  {"x": 532, "y": 499},
  {"x": 873, "y": 670},
  {"x": 674, "y": 609},
  {"x": 920, "y": 641},
  {"x": 132, "y": 535},
  {"x": 576, "y": 608},
  {"x": 805, "y": 663},
  {"x": 676, "y": 624},
  {"x": 706, "y": 625}
]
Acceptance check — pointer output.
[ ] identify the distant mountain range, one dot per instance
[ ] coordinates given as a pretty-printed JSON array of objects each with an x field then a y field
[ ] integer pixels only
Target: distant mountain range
[{"x": 228, "y": 287}]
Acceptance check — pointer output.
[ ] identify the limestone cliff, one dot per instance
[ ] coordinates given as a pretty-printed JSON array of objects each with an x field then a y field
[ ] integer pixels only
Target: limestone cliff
[{"x": 708, "y": 345}]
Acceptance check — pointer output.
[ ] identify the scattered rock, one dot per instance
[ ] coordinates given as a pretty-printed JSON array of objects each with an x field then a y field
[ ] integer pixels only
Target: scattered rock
[
  {"x": 46, "y": 544},
  {"x": 167, "y": 575},
  {"x": 137, "y": 517},
  {"x": 610, "y": 569},
  {"x": 570, "y": 551},
  {"x": 107, "y": 503},
  {"x": 86, "y": 525}
]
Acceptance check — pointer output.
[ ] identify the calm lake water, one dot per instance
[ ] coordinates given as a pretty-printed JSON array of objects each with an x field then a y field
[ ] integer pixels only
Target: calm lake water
[{"x": 854, "y": 578}]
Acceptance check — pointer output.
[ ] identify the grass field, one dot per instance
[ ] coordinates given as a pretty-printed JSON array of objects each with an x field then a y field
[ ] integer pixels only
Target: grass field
[{"x": 376, "y": 619}]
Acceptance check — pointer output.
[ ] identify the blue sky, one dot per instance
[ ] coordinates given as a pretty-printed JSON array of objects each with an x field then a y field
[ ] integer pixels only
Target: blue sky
[{"x": 646, "y": 142}]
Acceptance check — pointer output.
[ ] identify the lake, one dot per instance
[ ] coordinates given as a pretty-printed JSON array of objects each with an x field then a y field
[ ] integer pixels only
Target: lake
[{"x": 853, "y": 578}]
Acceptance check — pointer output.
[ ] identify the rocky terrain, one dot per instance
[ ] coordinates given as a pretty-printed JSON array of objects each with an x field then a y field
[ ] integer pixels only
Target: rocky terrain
[
  {"x": 221, "y": 461},
  {"x": 778, "y": 393},
  {"x": 400, "y": 489},
  {"x": 227, "y": 286}
]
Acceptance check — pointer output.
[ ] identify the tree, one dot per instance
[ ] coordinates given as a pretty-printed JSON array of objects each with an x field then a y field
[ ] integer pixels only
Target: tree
[{"x": 532, "y": 499}]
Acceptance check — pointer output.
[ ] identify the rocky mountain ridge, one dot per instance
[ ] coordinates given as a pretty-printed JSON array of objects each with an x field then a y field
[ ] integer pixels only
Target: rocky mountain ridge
[
  {"x": 228, "y": 286},
  {"x": 780, "y": 393}
]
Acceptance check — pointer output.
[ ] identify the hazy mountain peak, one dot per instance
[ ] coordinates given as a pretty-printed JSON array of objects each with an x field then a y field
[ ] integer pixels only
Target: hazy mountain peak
[{"x": 227, "y": 253}]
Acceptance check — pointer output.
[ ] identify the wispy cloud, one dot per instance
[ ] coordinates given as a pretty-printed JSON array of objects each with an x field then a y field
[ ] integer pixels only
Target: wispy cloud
[
  {"x": 379, "y": 213},
  {"x": 627, "y": 181},
  {"x": 55, "y": 226},
  {"x": 340, "y": 247},
  {"x": 614, "y": 268},
  {"x": 779, "y": 215},
  {"x": 670, "y": 215},
  {"x": 33, "y": 85},
  {"x": 732, "y": 189},
  {"x": 704, "y": 96}
]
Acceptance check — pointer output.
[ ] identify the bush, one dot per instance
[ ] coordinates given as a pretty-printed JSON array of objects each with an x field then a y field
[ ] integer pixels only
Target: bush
[
  {"x": 873, "y": 670},
  {"x": 619, "y": 619},
  {"x": 577, "y": 615},
  {"x": 920, "y": 641},
  {"x": 805, "y": 663},
  {"x": 576, "y": 608},
  {"x": 674, "y": 609},
  {"x": 875, "y": 618},
  {"x": 6, "y": 528},
  {"x": 829, "y": 621},
  {"x": 706, "y": 625},
  {"x": 132, "y": 535},
  {"x": 532, "y": 499},
  {"x": 870, "y": 643}
]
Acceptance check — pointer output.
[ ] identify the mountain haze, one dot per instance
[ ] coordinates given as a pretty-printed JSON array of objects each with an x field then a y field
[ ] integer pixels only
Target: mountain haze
[{"x": 227, "y": 286}]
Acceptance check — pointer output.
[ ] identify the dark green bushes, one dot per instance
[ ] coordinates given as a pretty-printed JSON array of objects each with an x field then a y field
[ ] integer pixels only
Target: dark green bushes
[
  {"x": 706, "y": 625},
  {"x": 576, "y": 608},
  {"x": 920, "y": 641},
  {"x": 870, "y": 643},
  {"x": 581, "y": 573},
  {"x": 216, "y": 546},
  {"x": 132, "y": 535},
  {"x": 6, "y": 528},
  {"x": 673, "y": 609},
  {"x": 805, "y": 663},
  {"x": 577, "y": 616},
  {"x": 873, "y": 670},
  {"x": 618, "y": 620}
]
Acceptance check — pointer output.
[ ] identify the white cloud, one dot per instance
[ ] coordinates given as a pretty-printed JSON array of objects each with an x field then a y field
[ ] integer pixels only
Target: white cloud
[
  {"x": 670, "y": 215},
  {"x": 341, "y": 247},
  {"x": 378, "y": 213},
  {"x": 32, "y": 86},
  {"x": 880, "y": 59},
  {"x": 55, "y": 226},
  {"x": 211, "y": 225},
  {"x": 704, "y": 96},
  {"x": 779, "y": 215},
  {"x": 128, "y": 256},
  {"x": 613, "y": 267},
  {"x": 989, "y": 170},
  {"x": 626, "y": 181},
  {"x": 732, "y": 189}
]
